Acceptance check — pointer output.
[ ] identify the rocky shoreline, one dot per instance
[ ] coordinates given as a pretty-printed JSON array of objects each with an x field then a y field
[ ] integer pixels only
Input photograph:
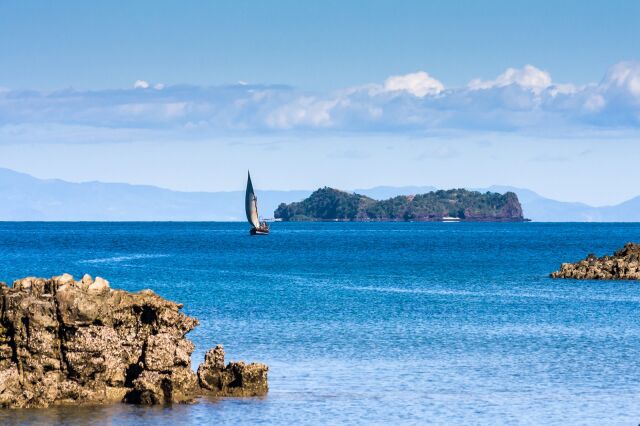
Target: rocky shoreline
[
  {"x": 80, "y": 342},
  {"x": 623, "y": 265}
]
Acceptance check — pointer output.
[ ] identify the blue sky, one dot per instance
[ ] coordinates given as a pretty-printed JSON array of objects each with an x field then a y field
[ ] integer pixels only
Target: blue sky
[
  {"x": 188, "y": 95},
  {"x": 312, "y": 45}
]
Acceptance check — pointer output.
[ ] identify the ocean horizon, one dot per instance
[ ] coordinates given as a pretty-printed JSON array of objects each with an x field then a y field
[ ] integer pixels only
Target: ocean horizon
[{"x": 369, "y": 323}]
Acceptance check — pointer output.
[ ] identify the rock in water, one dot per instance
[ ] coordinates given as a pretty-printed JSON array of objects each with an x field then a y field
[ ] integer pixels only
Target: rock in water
[
  {"x": 68, "y": 342},
  {"x": 623, "y": 265},
  {"x": 236, "y": 378}
]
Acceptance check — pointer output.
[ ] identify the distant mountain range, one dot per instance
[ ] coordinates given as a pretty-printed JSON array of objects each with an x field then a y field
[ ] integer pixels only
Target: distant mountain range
[{"x": 23, "y": 197}]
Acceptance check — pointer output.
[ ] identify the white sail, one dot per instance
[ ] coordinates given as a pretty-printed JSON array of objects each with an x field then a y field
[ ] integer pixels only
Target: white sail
[{"x": 251, "y": 204}]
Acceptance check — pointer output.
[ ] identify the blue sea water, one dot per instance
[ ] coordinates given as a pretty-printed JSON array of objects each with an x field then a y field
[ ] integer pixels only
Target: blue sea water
[{"x": 371, "y": 323}]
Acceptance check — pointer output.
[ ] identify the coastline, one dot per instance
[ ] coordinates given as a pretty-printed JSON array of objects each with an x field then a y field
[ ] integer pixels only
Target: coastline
[{"x": 64, "y": 341}]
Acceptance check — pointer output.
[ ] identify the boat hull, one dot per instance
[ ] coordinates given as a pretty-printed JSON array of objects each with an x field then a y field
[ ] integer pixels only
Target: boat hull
[{"x": 258, "y": 231}]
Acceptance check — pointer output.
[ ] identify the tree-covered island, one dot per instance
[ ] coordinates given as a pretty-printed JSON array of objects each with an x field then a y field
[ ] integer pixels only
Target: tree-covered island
[{"x": 328, "y": 204}]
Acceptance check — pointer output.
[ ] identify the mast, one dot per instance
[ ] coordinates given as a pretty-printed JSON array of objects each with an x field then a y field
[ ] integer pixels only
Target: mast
[{"x": 251, "y": 204}]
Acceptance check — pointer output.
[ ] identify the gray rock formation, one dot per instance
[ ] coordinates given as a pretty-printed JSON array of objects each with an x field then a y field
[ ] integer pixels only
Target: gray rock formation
[
  {"x": 234, "y": 379},
  {"x": 623, "y": 265},
  {"x": 67, "y": 342}
]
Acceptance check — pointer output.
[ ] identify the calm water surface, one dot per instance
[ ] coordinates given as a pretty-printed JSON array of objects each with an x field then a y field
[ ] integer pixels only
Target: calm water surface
[{"x": 371, "y": 323}]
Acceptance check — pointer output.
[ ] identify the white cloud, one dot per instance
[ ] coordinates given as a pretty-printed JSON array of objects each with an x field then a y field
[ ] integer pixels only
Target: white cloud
[
  {"x": 140, "y": 84},
  {"x": 562, "y": 89},
  {"x": 303, "y": 112},
  {"x": 143, "y": 84},
  {"x": 164, "y": 110},
  {"x": 594, "y": 102},
  {"x": 528, "y": 77},
  {"x": 523, "y": 99},
  {"x": 419, "y": 84},
  {"x": 624, "y": 76}
]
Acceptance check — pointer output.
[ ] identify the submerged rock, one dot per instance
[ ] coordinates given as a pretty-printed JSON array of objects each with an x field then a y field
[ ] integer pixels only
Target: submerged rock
[
  {"x": 623, "y": 265},
  {"x": 67, "y": 342}
]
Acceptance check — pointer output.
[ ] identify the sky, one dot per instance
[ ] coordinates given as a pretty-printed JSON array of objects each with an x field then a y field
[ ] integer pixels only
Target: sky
[{"x": 188, "y": 95}]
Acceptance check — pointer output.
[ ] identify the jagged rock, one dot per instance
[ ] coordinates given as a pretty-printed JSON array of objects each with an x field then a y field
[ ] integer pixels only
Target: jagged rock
[
  {"x": 86, "y": 279},
  {"x": 64, "y": 279},
  {"x": 235, "y": 379},
  {"x": 64, "y": 341},
  {"x": 100, "y": 285},
  {"x": 623, "y": 265}
]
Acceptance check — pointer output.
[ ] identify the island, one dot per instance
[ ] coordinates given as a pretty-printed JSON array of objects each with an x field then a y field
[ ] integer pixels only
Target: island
[
  {"x": 329, "y": 204},
  {"x": 64, "y": 341},
  {"x": 623, "y": 265}
]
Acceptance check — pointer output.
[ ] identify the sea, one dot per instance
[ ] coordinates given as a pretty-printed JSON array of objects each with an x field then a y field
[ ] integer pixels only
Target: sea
[{"x": 370, "y": 323}]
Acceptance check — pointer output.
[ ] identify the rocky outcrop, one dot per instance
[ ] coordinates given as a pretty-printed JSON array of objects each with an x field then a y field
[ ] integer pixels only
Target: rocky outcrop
[
  {"x": 67, "y": 342},
  {"x": 623, "y": 265},
  {"x": 234, "y": 379}
]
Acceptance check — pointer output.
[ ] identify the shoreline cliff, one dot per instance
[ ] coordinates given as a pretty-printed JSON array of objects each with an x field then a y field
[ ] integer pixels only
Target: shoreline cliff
[{"x": 80, "y": 342}]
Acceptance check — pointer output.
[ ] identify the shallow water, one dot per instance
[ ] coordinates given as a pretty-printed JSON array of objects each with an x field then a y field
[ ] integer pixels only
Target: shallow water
[{"x": 371, "y": 323}]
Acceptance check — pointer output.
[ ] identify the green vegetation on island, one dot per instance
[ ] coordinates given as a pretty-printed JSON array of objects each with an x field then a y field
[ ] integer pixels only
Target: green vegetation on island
[{"x": 328, "y": 204}]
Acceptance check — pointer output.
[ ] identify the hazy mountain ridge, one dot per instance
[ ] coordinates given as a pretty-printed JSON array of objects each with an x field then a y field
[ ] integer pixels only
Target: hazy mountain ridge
[{"x": 23, "y": 197}]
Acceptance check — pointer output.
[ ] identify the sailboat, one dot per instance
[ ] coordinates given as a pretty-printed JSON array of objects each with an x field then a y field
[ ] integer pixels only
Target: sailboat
[{"x": 251, "y": 208}]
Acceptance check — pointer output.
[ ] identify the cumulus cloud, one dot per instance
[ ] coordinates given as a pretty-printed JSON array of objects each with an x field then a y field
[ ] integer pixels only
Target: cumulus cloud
[
  {"x": 418, "y": 84},
  {"x": 304, "y": 111},
  {"x": 140, "y": 84},
  {"x": 623, "y": 79},
  {"x": 524, "y": 99},
  {"x": 143, "y": 84},
  {"x": 594, "y": 102},
  {"x": 528, "y": 77}
]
